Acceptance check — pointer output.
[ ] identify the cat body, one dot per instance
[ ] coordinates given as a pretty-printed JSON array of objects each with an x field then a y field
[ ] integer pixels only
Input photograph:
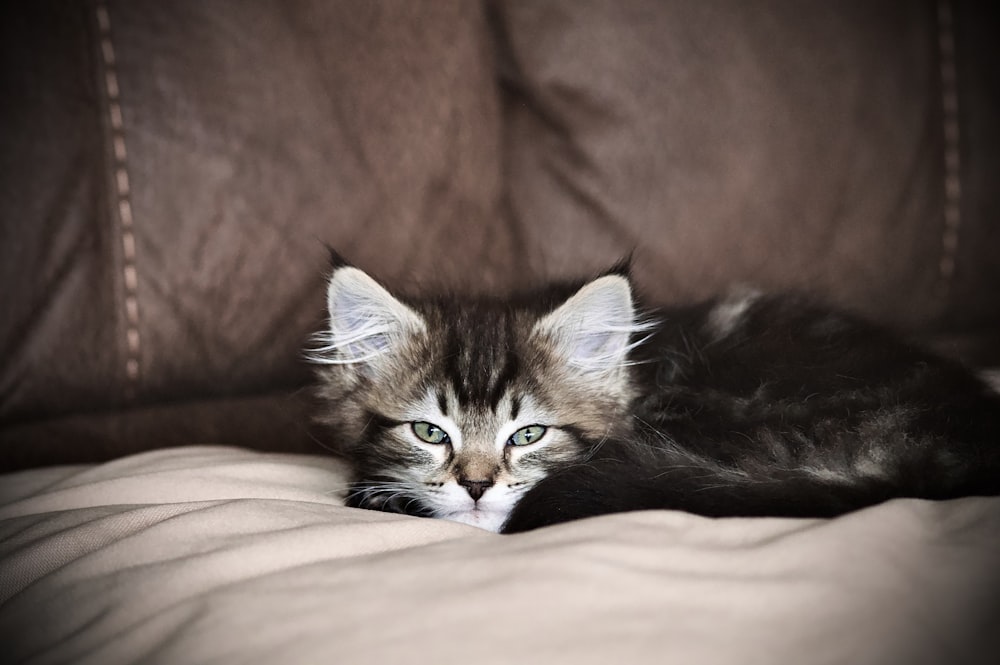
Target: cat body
[{"x": 570, "y": 402}]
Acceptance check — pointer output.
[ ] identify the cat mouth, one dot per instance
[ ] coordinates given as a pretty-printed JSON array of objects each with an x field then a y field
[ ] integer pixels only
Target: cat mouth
[{"x": 484, "y": 518}]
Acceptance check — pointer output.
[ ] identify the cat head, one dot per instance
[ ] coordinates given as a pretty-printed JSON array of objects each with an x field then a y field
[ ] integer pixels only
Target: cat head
[{"x": 454, "y": 408}]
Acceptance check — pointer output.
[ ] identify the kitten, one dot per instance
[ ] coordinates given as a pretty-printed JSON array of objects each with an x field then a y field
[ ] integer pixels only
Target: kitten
[{"x": 569, "y": 402}]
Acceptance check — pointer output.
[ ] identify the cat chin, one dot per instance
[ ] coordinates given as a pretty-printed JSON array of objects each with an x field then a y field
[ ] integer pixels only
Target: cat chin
[{"x": 489, "y": 520}]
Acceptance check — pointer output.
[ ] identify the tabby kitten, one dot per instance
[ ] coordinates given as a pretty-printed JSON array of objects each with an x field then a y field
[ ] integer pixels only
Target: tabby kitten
[{"x": 571, "y": 402}]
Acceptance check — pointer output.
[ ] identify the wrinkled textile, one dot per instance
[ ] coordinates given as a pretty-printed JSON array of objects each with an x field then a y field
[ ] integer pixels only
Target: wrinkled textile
[{"x": 223, "y": 555}]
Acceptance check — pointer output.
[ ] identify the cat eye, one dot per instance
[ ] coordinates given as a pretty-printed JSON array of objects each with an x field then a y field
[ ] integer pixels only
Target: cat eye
[
  {"x": 527, "y": 435},
  {"x": 430, "y": 433}
]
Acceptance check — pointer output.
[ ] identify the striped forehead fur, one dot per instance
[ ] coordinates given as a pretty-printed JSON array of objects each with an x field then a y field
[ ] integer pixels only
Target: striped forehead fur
[{"x": 481, "y": 343}]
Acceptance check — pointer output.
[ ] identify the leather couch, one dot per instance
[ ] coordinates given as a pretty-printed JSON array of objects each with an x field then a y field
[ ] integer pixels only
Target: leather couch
[{"x": 171, "y": 174}]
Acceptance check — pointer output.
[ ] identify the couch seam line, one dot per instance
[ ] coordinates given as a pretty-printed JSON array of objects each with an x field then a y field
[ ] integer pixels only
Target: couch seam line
[
  {"x": 952, "y": 154},
  {"x": 123, "y": 201}
]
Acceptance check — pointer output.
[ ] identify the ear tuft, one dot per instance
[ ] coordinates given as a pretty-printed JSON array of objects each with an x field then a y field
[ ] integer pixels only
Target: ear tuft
[
  {"x": 623, "y": 267},
  {"x": 593, "y": 329},
  {"x": 336, "y": 259},
  {"x": 366, "y": 322}
]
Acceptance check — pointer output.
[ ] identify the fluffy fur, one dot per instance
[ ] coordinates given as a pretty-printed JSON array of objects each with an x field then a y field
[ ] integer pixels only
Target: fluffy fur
[{"x": 567, "y": 403}]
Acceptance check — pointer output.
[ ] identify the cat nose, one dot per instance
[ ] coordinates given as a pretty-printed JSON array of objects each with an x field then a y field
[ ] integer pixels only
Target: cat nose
[{"x": 475, "y": 488}]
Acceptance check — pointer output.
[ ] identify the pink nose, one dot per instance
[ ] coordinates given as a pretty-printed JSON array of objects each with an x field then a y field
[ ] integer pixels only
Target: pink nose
[{"x": 475, "y": 488}]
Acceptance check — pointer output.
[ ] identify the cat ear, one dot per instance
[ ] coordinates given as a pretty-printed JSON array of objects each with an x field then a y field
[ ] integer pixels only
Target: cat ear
[
  {"x": 366, "y": 322},
  {"x": 593, "y": 328}
]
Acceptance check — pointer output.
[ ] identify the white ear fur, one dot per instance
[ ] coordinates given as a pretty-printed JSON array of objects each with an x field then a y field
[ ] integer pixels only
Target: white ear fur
[
  {"x": 366, "y": 321},
  {"x": 593, "y": 328}
]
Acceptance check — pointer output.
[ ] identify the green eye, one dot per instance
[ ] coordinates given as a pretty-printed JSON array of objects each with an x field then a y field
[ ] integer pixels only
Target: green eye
[
  {"x": 430, "y": 433},
  {"x": 527, "y": 435}
]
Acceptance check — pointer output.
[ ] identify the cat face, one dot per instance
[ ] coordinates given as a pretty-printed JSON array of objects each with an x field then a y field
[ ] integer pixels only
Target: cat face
[{"x": 454, "y": 409}]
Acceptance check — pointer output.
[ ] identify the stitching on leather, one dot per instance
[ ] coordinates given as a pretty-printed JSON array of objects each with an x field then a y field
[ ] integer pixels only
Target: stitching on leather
[
  {"x": 952, "y": 154},
  {"x": 122, "y": 198}
]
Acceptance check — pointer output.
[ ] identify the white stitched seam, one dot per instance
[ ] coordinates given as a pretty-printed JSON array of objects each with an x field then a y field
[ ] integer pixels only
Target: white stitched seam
[
  {"x": 952, "y": 154},
  {"x": 122, "y": 193}
]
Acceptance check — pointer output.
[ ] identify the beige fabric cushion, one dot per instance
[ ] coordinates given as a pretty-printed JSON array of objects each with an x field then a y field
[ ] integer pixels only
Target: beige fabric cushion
[{"x": 222, "y": 555}]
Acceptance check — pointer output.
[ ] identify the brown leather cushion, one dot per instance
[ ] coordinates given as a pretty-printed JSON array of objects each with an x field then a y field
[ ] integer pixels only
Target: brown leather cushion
[
  {"x": 171, "y": 172},
  {"x": 275, "y": 422},
  {"x": 780, "y": 144}
]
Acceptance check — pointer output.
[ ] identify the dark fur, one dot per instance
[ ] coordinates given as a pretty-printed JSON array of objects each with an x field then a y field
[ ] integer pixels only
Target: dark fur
[
  {"x": 785, "y": 409},
  {"x": 728, "y": 427}
]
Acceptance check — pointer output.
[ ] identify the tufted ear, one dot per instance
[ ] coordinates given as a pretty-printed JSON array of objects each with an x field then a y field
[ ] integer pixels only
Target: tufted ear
[
  {"x": 366, "y": 325},
  {"x": 592, "y": 329}
]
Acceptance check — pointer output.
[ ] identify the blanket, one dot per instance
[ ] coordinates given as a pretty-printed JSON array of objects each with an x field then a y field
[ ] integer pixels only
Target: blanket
[{"x": 223, "y": 555}]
